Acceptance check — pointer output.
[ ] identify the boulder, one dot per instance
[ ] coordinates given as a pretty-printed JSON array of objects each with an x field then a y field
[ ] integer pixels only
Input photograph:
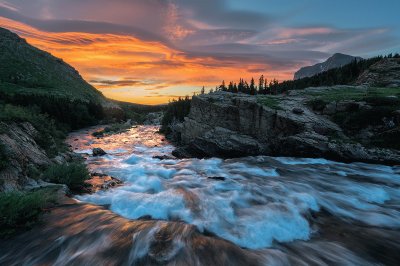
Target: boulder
[{"x": 98, "y": 152}]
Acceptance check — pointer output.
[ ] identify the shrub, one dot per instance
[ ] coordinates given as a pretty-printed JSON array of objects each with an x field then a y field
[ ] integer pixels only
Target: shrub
[
  {"x": 73, "y": 175},
  {"x": 177, "y": 110},
  {"x": 20, "y": 209}
]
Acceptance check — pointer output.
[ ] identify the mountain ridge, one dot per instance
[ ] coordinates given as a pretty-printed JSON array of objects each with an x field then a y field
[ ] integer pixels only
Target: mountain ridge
[{"x": 335, "y": 61}]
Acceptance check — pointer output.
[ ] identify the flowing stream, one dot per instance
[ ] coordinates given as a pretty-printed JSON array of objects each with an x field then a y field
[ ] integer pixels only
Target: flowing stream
[{"x": 253, "y": 210}]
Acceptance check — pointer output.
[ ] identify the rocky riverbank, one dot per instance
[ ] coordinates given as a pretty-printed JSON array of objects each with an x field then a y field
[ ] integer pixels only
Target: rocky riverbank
[{"x": 342, "y": 123}]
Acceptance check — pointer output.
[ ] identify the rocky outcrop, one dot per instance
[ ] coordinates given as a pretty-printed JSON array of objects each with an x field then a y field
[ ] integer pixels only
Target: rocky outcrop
[
  {"x": 335, "y": 61},
  {"x": 232, "y": 125},
  {"x": 25, "y": 158},
  {"x": 385, "y": 73}
]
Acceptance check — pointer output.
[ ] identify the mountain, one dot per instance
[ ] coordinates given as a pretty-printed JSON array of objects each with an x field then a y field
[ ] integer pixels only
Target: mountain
[
  {"x": 30, "y": 76},
  {"x": 337, "y": 60}
]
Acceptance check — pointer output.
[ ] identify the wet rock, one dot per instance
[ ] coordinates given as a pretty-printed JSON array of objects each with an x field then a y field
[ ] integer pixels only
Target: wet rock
[
  {"x": 218, "y": 178},
  {"x": 98, "y": 152},
  {"x": 100, "y": 182},
  {"x": 163, "y": 157}
]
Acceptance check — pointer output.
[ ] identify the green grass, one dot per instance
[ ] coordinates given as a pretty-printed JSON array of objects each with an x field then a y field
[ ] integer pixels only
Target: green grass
[
  {"x": 21, "y": 210},
  {"x": 269, "y": 101},
  {"x": 351, "y": 93},
  {"x": 73, "y": 175}
]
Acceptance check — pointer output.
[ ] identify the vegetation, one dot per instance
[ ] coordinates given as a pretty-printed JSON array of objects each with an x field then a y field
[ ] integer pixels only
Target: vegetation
[
  {"x": 73, "y": 175},
  {"x": 176, "y": 111},
  {"x": 345, "y": 75},
  {"x": 351, "y": 93},
  {"x": 138, "y": 112},
  {"x": 269, "y": 101},
  {"x": 22, "y": 209},
  {"x": 50, "y": 134}
]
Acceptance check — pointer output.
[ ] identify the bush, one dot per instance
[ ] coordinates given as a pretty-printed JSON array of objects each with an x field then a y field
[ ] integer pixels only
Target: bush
[
  {"x": 73, "y": 175},
  {"x": 177, "y": 110},
  {"x": 21, "y": 209}
]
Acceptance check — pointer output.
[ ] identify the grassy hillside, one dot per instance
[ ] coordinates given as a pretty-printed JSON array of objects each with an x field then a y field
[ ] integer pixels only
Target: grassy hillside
[{"x": 31, "y": 77}]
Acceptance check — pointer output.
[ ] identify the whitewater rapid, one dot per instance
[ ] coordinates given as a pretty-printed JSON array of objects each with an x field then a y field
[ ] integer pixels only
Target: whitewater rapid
[{"x": 252, "y": 202}]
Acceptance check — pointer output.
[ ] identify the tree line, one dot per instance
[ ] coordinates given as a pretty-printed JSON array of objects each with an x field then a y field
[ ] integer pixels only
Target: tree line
[{"x": 345, "y": 75}]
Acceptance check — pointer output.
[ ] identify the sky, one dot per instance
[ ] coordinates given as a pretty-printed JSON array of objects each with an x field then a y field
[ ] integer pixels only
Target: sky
[{"x": 150, "y": 51}]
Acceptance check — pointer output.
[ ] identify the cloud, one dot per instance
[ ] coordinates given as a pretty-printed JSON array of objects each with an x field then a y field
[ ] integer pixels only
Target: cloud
[{"x": 179, "y": 45}]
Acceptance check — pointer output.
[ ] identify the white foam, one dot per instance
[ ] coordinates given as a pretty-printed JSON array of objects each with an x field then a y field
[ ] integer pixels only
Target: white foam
[{"x": 260, "y": 200}]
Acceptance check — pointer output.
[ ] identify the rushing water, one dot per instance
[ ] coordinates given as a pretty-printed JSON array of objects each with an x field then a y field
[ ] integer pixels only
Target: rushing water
[{"x": 277, "y": 211}]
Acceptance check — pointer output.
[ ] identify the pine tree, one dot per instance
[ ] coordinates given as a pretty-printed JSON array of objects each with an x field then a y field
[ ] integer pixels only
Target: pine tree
[
  {"x": 230, "y": 87},
  {"x": 222, "y": 86},
  {"x": 261, "y": 84},
  {"x": 252, "y": 87}
]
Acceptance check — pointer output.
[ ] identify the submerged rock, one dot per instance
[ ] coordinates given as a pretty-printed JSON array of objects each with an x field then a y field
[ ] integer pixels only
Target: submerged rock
[{"x": 98, "y": 152}]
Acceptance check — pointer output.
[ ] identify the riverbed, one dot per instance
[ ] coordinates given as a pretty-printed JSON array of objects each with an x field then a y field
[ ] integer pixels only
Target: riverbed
[{"x": 245, "y": 211}]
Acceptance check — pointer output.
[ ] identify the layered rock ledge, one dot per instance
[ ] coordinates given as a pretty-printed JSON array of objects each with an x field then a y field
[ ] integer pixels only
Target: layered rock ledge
[{"x": 232, "y": 125}]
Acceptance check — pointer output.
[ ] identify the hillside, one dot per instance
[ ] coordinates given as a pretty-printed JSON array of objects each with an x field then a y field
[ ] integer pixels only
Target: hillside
[
  {"x": 24, "y": 69},
  {"x": 32, "y": 77},
  {"x": 335, "y": 61}
]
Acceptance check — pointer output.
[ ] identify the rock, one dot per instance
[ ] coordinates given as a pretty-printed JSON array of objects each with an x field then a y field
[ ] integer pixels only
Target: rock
[
  {"x": 330, "y": 109},
  {"x": 163, "y": 157},
  {"x": 298, "y": 111},
  {"x": 21, "y": 151},
  {"x": 231, "y": 125},
  {"x": 218, "y": 178},
  {"x": 100, "y": 182},
  {"x": 98, "y": 152},
  {"x": 384, "y": 73}
]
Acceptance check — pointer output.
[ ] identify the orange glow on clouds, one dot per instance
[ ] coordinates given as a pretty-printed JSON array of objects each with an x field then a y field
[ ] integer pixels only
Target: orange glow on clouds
[{"x": 128, "y": 69}]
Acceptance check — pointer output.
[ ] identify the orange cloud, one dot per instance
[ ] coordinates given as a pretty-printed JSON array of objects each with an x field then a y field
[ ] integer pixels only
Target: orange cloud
[{"x": 132, "y": 68}]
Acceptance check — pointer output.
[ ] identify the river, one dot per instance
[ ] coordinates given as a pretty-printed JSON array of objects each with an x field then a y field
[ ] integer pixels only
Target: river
[{"x": 245, "y": 211}]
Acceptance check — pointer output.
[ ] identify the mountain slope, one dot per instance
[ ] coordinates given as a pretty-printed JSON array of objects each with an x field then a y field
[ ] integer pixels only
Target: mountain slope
[
  {"x": 26, "y": 69},
  {"x": 32, "y": 77},
  {"x": 337, "y": 60}
]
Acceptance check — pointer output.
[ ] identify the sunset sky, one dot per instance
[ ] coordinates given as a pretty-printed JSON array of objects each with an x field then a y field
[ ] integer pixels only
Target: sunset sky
[{"x": 149, "y": 51}]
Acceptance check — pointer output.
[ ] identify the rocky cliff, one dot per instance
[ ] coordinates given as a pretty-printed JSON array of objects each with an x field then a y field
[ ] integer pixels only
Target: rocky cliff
[
  {"x": 384, "y": 73},
  {"x": 25, "y": 159},
  {"x": 230, "y": 125},
  {"x": 337, "y": 60}
]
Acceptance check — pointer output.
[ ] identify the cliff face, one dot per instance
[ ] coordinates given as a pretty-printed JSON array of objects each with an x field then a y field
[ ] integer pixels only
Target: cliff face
[
  {"x": 384, "y": 73},
  {"x": 231, "y": 125},
  {"x": 25, "y": 158}
]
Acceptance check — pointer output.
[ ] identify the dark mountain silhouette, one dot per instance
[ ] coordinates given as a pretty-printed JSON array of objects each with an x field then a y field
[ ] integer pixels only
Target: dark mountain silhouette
[{"x": 335, "y": 61}]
